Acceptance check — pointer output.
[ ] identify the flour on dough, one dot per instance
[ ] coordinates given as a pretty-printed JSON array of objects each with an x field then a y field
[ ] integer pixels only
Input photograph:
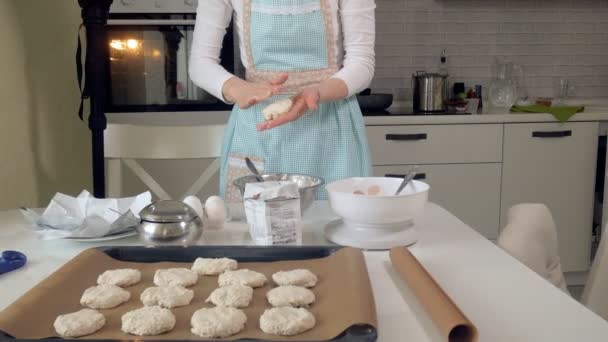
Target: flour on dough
[
  {"x": 297, "y": 277},
  {"x": 286, "y": 321},
  {"x": 175, "y": 276},
  {"x": 219, "y": 322},
  {"x": 167, "y": 296},
  {"x": 244, "y": 277},
  {"x": 104, "y": 297},
  {"x": 121, "y": 277},
  {"x": 236, "y": 295},
  {"x": 290, "y": 295},
  {"x": 213, "y": 266},
  {"x": 79, "y": 323},
  {"x": 147, "y": 321}
]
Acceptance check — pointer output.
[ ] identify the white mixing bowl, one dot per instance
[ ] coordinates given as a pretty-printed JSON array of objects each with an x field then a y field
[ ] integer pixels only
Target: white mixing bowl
[{"x": 378, "y": 211}]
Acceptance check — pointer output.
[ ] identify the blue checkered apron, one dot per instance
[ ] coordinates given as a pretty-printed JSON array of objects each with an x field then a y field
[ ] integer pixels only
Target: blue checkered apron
[{"x": 295, "y": 36}]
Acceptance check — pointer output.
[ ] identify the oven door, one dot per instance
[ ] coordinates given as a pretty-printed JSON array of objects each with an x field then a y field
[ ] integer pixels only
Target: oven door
[{"x": 149, "y": 67}]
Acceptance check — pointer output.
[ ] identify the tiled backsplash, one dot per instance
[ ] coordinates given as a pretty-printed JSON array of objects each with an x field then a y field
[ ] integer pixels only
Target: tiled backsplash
[{"x": 551, "y": 39}]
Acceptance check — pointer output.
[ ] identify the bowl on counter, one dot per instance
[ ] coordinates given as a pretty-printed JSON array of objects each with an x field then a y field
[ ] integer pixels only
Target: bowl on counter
[
  {"x": 308, "y": 186},
  {"x": 372, "y": 217}
]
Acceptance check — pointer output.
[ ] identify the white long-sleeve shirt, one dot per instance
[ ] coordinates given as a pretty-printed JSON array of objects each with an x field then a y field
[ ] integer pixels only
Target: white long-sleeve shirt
[{"x": 354, "y": 33}]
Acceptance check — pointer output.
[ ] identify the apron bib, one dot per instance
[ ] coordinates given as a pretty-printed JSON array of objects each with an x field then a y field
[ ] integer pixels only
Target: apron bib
[{"x": 296, "y": 37}]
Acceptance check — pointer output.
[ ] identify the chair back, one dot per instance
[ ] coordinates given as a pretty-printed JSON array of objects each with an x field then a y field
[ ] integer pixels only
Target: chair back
[
  {"x": 530, "y": 236},
  {"x": 126, "y": 143}
]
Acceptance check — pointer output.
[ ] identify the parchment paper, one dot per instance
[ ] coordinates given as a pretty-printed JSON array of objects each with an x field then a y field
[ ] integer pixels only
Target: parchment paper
[
  {"x": 343, "y": 298},
  {"x": 452, "y": 323}
]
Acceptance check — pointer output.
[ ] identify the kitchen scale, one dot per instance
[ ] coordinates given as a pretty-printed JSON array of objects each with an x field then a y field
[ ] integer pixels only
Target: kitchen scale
[{"x": 377, "y": 236}]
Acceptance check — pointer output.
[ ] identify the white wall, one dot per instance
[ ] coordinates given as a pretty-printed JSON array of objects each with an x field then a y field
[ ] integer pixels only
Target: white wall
[
  {"x": 44, "y": 148},
  {"x": 551, "y": 38}
]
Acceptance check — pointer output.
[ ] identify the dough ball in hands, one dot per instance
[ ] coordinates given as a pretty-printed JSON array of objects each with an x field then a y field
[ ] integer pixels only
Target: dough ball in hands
[
  {"x": 289, "y": 295},
  {"x": 175, "y": 277},
  {"x": 167, "y": 297},
  {"x": 213, "y": 266},
  {"x": 121, "y": 277},
  {"x": 104, "y": 297},
  {"x": 277, "y": 108},
  {"x": 286, "y": 321},
  {"x": 297, "y": 277},
  {"x": 147, "y": 321},
  {"x": 219, "y": 321},
  {"x": 236, "y": 295},
  {"x": 243, "y": 277},
  {"x": 79, "y": 323}
]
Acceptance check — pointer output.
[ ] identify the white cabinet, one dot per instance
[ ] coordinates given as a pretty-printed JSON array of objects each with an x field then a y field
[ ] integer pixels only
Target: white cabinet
[
  {"x": 435, "y": 144},
  {"x": 554, "y": 163},
  {"x": 469, "y": 191}
]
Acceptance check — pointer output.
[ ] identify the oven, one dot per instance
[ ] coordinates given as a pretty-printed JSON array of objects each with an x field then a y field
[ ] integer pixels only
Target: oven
[{"x": 149, "y": 48}]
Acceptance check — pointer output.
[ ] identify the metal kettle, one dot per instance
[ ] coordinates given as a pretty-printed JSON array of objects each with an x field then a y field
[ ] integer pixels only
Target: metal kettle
[
  {"x": 430, "y": 92},
  {"x": 169, "y": 223}
]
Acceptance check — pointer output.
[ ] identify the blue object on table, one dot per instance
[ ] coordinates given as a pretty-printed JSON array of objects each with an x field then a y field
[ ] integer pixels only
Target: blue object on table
[{"x": 11, "y": 260}]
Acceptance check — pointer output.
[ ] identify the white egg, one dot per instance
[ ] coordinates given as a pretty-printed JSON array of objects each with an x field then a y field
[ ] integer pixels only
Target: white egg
[
  {"x": 215, "y": 209},
  {"x": 195, "y": 204}
]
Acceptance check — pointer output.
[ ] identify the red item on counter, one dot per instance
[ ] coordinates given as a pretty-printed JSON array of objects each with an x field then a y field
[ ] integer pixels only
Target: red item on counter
[{"x": 471, "y": 94}]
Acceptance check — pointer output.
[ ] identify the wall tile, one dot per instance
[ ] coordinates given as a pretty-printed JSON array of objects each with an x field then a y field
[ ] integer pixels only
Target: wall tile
[{"x": 550, "y": 38}]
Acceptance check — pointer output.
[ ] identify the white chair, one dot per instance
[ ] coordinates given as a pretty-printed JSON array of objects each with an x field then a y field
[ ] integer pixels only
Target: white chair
[
  {"x": 124, "y": 143},
  {"x": 595, "y": 294},
  {"x": 530, "y": 236}
]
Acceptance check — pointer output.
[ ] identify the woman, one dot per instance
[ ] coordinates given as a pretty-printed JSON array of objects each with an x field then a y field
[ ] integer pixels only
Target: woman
[{"x": 318, "y": 52}]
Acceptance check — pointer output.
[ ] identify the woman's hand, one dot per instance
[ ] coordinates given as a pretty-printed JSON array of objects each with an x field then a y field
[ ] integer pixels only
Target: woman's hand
[
  {"x": 246, "y": 94},
  {"x": 307, "y": 99}
]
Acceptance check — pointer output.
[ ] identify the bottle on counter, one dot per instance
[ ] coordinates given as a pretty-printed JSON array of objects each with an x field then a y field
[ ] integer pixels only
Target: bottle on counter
[{"x": 480, "y": 97}]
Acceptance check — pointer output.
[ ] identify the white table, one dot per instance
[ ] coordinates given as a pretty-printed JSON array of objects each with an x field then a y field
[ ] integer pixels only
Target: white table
[{"x": 504, "y": 299}]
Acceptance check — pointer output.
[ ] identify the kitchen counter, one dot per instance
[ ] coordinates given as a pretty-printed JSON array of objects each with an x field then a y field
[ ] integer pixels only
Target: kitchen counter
[{"x": 490, "y": 115}]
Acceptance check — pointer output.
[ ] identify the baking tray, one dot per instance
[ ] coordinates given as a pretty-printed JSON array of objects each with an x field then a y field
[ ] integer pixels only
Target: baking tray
[{"x": 356, "y": 333}]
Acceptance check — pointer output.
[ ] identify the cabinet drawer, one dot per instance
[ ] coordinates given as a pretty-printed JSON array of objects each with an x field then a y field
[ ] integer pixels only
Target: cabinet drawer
[
  {"x": 435, "y": 144},
  {"x": 469, "y": 191},
  {"x": 554, "y": 164}
]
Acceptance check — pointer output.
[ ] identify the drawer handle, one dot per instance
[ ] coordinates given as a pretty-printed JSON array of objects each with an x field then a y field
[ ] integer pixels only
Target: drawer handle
[
  {"x": 418, "y": 176},
  {"x": 406, "y": 137},
  {"x": 551, "y": 134}
]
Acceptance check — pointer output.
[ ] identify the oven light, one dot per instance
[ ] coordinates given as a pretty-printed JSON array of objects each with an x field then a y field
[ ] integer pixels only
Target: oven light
[
  {"x": 132, "y": 44},
  {"x": 117, "y": 44}
]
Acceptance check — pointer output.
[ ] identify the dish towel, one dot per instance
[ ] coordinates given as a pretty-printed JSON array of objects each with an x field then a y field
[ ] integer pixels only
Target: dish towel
[{"x": 561, "y": 113}]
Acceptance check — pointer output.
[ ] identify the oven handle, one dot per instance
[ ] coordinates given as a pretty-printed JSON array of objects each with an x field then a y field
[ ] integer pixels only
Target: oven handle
[{"x": 150, "y": 22}]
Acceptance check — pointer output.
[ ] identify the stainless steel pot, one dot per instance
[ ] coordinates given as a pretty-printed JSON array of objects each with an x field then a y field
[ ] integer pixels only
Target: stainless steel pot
[
  {"x": 169, "y": 223},
  {"x": 430, "y": 92}
]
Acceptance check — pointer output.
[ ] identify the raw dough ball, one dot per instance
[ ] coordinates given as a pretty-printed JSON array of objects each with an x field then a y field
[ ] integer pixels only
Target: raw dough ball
[
  {"x": 298, "y": 277},
  {"x": 218, "y": 322},
  {"x": 121, "y": 277},
  {"x": 149, "y": 320},
  {"x": 79, "y": 323},
  {"x": 104, "y": 297},
  {"x": 175, "y": 276},
  {"x": 237, "y": 296},
  {"x": 290, "y": 296},
  {"x": 167, "y": 297},
  {"x": 244, "y": 277},
  {"x": 276, "y": 109},
  {"x": 210, "y": 266},
  {"x": 286, "y": 321}
]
